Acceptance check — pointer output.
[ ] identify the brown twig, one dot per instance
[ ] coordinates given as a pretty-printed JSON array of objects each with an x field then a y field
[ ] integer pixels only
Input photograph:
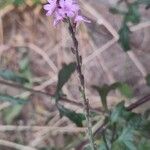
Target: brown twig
[
  {"x": 82, "y": 84},
  {"x": 64, "y": 99},
  {"x": 138, "y": 103}
]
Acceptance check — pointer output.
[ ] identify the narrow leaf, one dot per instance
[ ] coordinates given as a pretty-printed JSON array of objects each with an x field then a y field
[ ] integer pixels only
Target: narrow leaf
[
  {"x": 124, "y": 37},
  {"x": 10, "y": 75},
  {"x": 12, "y": 99},
  {"x": 64, "y": 75},
  {"x": 77, "y": 118}
]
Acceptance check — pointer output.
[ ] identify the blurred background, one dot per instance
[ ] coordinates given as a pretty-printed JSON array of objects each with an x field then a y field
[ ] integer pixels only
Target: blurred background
[{"x": 32, "y": 51}]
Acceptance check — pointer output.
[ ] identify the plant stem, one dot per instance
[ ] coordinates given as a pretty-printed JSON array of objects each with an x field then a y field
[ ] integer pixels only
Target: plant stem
[
  {"x": 82, "y": 84},
  {"x": 105, "y": 141}
]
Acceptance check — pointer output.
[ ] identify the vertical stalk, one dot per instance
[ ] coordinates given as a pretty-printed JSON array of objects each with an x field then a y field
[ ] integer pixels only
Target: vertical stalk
[
  {"x": 105, "y": 141},
  {"x": 82, "y": 85}
]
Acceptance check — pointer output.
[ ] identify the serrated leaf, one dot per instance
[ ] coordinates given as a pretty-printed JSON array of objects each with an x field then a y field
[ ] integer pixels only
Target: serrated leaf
[
  {"x": 12, "y": 76},
  {"x": 120, "y": 112},
  {"x": 63, "y": 76},
  {"x": 11, "y": 99},
  {"x": 124, "y": 37},
  {"x": 125, "y": 140},
  {"x": 117, "y": 112},
  {"x": 77, "y": 118}
]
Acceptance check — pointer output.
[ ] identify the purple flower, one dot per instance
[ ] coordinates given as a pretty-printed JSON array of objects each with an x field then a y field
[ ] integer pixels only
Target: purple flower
[
  {"x": 79, "y": 18},
  {"x": 50, "y": 7},
  {"x": 69, "y": 8},
  {"x": 63, "y": 9}
]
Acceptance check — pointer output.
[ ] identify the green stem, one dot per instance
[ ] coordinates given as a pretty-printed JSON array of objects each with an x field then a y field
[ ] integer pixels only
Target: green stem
[{"x": 105, "y": 141}]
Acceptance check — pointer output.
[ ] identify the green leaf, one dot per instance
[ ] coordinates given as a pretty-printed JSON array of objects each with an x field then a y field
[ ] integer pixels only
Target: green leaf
[
  {"x": 10, "y": 75},
  {"x": 18, "y": 2},
  {"x": 116, "y": 113},
  {"x": 103, "y": 92},
  {"x": 125, "y": 90},
  {"x": 124, "y": 37},
  {"x": 125, "y": 140},
  {"x": 148, "y": 79},
  {"x": 120, "y": 113},
  {"x": 119, "y": 146},
  {"x": 11, "y": 113},
  {"x": 105, "y": 89},
  {"x": 133, "y": 14},
  {"x": 12, "y": 99},
  {"x": 63, "y": 76},
  {"x": 144, "y": 145},
  {"x": 24, "y": 68},
  {"x": 77, "y": 118}
]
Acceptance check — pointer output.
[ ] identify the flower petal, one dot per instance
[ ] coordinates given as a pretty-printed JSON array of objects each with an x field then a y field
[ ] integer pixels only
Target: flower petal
[{"x": 47, "y": 7}]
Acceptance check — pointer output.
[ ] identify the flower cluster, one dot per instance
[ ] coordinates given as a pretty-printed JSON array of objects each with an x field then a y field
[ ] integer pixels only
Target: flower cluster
[{"x": 63, "y": 9}]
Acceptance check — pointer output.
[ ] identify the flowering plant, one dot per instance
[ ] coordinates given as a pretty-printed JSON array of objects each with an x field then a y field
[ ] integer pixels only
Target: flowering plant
[{"x": 63, "y": 9}]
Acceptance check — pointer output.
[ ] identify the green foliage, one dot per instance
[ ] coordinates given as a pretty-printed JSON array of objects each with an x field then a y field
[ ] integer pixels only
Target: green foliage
[
  {"x": 125, "y": 90},
  {"x": 124, "y": 37},
  {"x": 103, "y": 91},
  {"x": 77, "y": 118},
  {"x": 11, "y": 113},
  {"x": 144, "y": 144},
  {"x": 11, "y": 99},
  {"x": 125, "y": 141},
  {"x": 131, "y": 16},
  {"x": 129, "y": 130},
  {"x": 63, "y": 76},
  {"x": 24, "y": 73},
  {"x": 18, "y": 2},
  {"x": 12, "y": 76}
]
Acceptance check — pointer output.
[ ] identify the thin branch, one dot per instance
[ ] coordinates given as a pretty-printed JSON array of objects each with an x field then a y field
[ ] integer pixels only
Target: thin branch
[
  {"x": 64, "y": 99},
  {"x": 138, "y": 103},
  {"x": 67, "y": 129},
  {"x": 15, "y": 145}
]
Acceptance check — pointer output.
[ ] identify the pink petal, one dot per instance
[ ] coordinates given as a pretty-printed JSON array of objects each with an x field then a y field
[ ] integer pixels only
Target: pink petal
[
  {"x": 79, "y": 19},
  {"x": 47, "y": 7},
  {"x": 62, "y": 3}
]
